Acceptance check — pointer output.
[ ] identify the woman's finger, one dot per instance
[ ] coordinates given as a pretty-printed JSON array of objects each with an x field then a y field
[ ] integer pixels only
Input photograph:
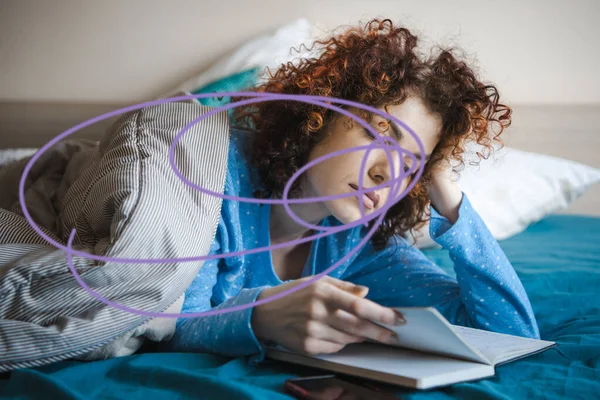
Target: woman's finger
[
  {"x": 353, "y": 325},
  {"x": 323, "y": 331},
  {"x": 312, "y": 346},
  {"x": 336, "y": 298},
  {"x": 347, "y": 286}
]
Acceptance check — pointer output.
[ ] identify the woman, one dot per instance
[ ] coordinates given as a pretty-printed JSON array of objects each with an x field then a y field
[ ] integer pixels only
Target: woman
[{"x": 446, "y": 107}]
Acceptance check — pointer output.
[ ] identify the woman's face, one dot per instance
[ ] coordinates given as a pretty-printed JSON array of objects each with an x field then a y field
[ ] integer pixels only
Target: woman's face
[{"x": 340, "y": 174}]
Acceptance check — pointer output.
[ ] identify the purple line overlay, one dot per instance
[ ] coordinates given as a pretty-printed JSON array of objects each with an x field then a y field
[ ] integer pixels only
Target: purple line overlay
[{"x": 267, "y": 97}]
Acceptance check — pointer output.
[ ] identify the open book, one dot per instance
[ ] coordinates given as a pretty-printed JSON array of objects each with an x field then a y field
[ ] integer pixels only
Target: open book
[{"x": 431, "y": 352}]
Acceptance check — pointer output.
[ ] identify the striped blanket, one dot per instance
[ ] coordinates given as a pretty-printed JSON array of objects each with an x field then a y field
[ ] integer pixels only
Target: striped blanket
[{"x": 125, "y": 201}]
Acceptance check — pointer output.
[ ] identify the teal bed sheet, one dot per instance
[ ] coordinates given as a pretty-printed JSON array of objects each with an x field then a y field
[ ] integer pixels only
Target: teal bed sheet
[{"x": 557, "y": 259}]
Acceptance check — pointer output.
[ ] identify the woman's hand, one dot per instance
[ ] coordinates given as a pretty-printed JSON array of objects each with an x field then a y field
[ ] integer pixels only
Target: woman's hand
[
  {"x": 322, "y": 317},
  {"x": 445, "y": 194}
]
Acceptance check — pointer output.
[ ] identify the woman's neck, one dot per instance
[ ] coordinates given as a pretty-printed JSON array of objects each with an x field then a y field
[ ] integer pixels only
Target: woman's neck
[{"x": 283, "y": 228}]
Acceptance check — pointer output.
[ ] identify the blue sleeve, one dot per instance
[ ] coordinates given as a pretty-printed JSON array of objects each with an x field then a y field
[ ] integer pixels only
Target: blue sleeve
[
  {"x": 485, "y": 294},
  {"x": 228, "y": 333}
]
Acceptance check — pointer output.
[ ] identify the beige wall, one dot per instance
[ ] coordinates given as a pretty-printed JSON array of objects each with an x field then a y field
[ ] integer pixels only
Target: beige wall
[{"x": 129, "y": 50}]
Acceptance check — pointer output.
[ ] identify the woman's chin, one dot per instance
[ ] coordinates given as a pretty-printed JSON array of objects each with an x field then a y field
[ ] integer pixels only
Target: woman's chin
[{"x": 348, "y": 213}]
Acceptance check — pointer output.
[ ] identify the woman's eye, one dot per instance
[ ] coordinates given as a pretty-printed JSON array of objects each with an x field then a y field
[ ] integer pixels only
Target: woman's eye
[
  {"x": 407, "y": 168},
  {"x": 369, "y": 134},
  {"x": 381, "y": 134}
]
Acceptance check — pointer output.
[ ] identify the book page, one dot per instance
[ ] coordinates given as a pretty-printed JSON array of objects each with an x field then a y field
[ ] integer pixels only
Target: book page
[
  {"x": 393, "y": 365},
  {"x": 428, "y": 331},
  {"x": 498, "y": 347}
]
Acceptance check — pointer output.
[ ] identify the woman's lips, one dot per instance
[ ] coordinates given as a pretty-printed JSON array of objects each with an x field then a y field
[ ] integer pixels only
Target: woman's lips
[{"x": 369, "y": 199}]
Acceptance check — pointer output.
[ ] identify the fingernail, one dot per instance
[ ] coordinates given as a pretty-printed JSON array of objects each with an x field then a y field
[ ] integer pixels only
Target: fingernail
[
  {"x": 400, "y": 319},
  {"x": 361, "y": 291}
]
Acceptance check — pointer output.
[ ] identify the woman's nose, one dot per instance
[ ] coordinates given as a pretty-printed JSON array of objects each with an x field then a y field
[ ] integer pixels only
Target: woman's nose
[{"x": 382, "y": 171}]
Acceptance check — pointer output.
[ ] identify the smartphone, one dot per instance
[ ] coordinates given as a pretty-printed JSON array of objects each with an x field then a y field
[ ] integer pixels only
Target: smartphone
[{"x": 330, "y": 387}]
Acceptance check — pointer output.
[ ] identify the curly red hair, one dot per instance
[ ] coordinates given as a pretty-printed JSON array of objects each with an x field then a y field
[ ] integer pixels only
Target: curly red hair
[{"x": 377, "y": 66}]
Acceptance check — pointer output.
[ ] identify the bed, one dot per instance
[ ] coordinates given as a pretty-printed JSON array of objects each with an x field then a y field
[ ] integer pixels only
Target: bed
[{"x": 557, "y": 259}]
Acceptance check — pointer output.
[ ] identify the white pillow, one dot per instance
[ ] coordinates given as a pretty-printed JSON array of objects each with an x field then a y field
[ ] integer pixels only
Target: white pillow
[
  {"x": 10, "y": 155},
  {"x": 267, "y": 50},
  {"x": 515, "y": 188}
]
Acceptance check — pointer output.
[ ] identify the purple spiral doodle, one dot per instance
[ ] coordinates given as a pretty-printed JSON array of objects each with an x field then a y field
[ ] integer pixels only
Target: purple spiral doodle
[{"x": 267, "y": 97}]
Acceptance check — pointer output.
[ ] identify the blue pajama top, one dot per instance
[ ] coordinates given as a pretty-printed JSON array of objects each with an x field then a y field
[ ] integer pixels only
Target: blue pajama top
[{"x": 485, "y": 293}]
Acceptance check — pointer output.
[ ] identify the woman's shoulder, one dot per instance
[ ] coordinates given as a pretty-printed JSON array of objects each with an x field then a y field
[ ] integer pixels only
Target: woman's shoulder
[
  {"x": 240, "y": 135},
  {"x": 239, "y": 168}
]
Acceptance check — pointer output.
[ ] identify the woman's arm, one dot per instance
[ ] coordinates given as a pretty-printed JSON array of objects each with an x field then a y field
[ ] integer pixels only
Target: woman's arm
[
  {"x": 227, "y": 333},
  {"x": 486, "y": 293}
]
